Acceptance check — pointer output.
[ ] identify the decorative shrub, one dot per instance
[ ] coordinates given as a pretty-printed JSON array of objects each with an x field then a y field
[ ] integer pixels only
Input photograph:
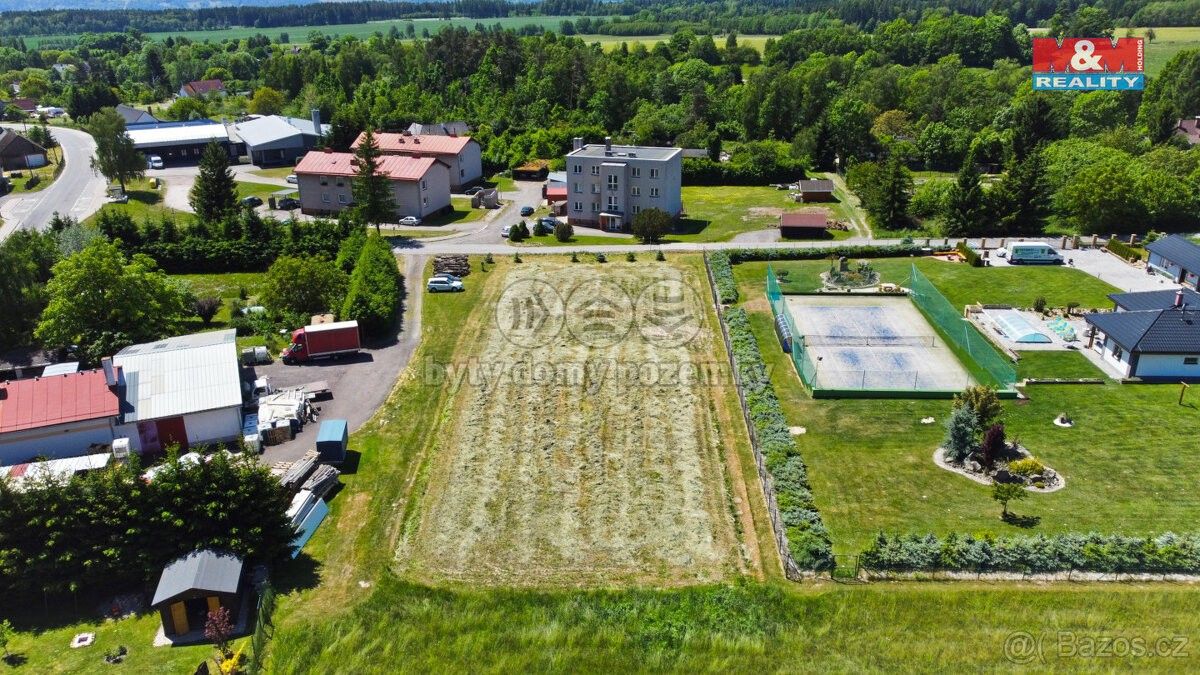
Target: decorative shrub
[
  {"x": 1122, "y": 249},
  {"x": 960, "y": 434},
  {"x": 993, "y": 444},
  {"x": 1026, "y": 467},
  {"x": 969, "y": 254},
  {"x": 630, "y": 257},
  {"x": 808, "y": 540},
  {"x": 1167, "y": 553},
  {"x": 601, "y": 258}
]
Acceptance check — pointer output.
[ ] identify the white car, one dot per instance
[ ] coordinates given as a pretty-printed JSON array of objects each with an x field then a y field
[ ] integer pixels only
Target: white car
[
  {"x": 441, "y": 284},
  {"x": 505, "y": 230},
  {"x": 410, "y": 220},
  {"x": 292, "y": 178},
  {"x": 447, "y": 276},
  {"x": 154, "y": 162}
]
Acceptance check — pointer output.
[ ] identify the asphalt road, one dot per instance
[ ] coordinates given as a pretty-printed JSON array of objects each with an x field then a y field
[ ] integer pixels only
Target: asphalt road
[{"x": 77, "y": 191}]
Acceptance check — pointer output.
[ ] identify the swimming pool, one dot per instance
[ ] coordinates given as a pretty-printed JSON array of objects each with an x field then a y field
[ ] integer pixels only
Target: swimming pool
[{"x": 1015, "y": 327}]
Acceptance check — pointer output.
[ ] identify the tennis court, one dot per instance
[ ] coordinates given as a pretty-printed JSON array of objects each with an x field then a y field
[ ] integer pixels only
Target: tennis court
[{"x": 873, "y": 342}]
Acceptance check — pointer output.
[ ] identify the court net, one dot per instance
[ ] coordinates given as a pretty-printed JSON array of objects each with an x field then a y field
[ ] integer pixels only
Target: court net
[{"x": 926, "y": 341}]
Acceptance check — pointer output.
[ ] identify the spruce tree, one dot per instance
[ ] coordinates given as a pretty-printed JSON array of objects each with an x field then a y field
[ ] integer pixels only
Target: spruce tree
[
  {"x": 214, "y": 195},
  {"x": 895, "y": 191},
  {"x": 373, "y": 202},
  {"x": 965, "y": 214}
]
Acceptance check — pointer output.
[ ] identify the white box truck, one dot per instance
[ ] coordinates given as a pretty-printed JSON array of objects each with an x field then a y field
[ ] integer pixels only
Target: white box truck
[{"x": 1031, "y": 253}]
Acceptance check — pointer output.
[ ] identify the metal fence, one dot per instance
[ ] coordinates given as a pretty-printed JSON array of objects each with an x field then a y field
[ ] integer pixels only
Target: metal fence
[
  {"x": 800, "y": 358},
  {"x": 958, "y": 330}
]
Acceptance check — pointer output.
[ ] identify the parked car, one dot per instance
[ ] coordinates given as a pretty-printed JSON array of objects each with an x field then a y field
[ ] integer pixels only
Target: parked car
[
  {"x": 119, "y": 198},
  {"x": 154, "y": 162},
  {"x": 473, "y": 191},
  {"x": 505, "y": 230},
  {"x": 441, "y": 284},
  {"x": 292, "y": 178},
  {"x": 252, "y": 201},
  {"x": 288, "y": 203},
  {"x": 526, "y": 211},
  {"x": 410, "y": 220},
  {"x": 447, "y": 276}
]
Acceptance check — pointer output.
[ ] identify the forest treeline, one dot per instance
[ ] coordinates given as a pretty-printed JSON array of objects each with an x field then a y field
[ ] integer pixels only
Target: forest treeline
[{"x": 630, "y": 17}]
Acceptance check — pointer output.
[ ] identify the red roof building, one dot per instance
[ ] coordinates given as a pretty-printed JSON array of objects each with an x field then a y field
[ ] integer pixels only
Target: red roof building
[
  {"x": 57, "y": 416},
  {"x": 803, "y": 224},
  {"x": 26, "y": 104},
  {"x": 556, "y": 193},
  {"x": 395, "y": 167},
  {"x": 462, "y": 154},
  {"x": 202, "y": 88},
  {"x": 1190, "y": 130}
]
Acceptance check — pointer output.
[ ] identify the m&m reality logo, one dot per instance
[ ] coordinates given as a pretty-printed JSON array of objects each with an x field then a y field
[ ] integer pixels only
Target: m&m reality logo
[{"x": 1082, "y": 64}]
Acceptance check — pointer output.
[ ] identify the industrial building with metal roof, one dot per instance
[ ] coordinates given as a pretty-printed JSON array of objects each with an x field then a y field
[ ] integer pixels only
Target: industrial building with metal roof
[
  {"x": 177, "y": 142},
  {"x": 275, "y": 139},
  {"x": 184, "y": 390}
]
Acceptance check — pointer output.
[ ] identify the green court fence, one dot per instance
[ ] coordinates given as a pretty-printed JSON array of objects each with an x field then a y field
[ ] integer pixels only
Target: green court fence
[
  {"x": 779, "y": 308},
  {"x": 958, "y": 330}
]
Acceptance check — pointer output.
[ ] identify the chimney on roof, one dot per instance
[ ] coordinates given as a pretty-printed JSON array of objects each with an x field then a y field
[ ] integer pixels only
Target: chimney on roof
[
  {"x": 577, "y": 143},
  {"x": 1179, "y": 298},
  {"x": 608, "y": 143},
  {"x": 416, "y": 139},
  {"x": 110, "y": 373},
  {"x": 315, "y": 114},
  {"x": 328, "y": 150}
]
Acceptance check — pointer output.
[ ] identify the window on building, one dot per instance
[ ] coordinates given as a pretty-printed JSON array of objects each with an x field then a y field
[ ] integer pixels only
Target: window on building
[
  {"x": 578, "y": 206},
  {"x": 342, "y": 199},
  {"x": 579, "y": 188},
  {"x": 636, "y": 209},
  {"x": 424, "y": 184},
  {"x": 614, "y": 181},
  {"x": 654, "y": 173},
  {"x": 595, "y": 207},
  {"x": 461, "y": 173},
  {"x": 635, "y": 191},
  {"x": 1117, "y": 352},
  {"x": 424, "y": 201},
  {"x": 612, "y": 203},
  {"x": 324, "y": 180},
  {"x": 596, "y": 170},
  {"x": 595, "y": 189},
  {"x": 577, "y": 168},
  {"x": 325, "y": 197},
  {"x": 1191, "y": 360},
  {"x": 653, "y": 192},
  {"x": 636, "y": 172}
]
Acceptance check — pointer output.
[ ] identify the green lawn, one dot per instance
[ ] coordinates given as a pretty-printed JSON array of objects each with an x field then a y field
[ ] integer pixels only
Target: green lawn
[
  {"x": 1064, "y": 364},
  {"x": 577, "y": 240},
  {"x": 959, "y": 282},
  {"x": 501, "y": 182},
  {"x": 261, "y": 190},
  {"x": 42, "y": 645},
  {"x": 461, "y": 213},
  {"x": 279, "y": 172},
  {"x": 144, "y": 201},
  {"x": 718, "y": 213},
  {"x": 227, "y": 286},
  {"x": 412, "y": 233},
  {"x": 870, "y": 461},
  {"x": 362, "y": 618},
  {"x": 47, "y": 174}
]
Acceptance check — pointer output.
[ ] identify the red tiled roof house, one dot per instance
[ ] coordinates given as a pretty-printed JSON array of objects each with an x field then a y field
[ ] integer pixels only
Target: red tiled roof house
[
  {"x": 58, "y": 416},
  {"x": 202, "y": 88},
  {"x": 420, "y": 185},
  {"x": 461, "y": 154}
]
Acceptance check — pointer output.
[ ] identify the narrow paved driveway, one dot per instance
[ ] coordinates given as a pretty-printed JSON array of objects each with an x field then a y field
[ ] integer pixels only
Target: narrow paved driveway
[
  {"x": 360, "y": 385},
  {"x": 77, "y": 191}
]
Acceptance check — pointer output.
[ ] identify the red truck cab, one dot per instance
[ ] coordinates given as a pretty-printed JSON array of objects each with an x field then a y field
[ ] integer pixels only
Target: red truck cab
[{"x": 321, "y": 341}]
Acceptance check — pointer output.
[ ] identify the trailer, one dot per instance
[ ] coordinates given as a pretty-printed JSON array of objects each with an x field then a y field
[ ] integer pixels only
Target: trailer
[{"x": 322, "y": 341}]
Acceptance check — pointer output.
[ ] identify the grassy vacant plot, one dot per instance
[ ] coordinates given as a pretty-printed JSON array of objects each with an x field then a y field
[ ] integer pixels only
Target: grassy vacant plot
[
  {"x": 1066, "y": 364},
  {"x": 360, "y": 617},
  {"x": 461, "y": 212},
  {"x": 260, "y": 190},
  {"x": 959, "y": 282},
  {"x": 577, "y": 451},
  {"x": 144, "y": 201},
  {"x": 718, "y": 213},
  {"x": 580, "y": 239},
  {"x": 870, "y": 461},
  {"x": 279, "y": 172},
  {"x": 46, "y": 174}
]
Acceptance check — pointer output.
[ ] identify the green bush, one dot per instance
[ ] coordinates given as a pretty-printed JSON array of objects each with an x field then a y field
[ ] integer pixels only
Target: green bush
[
  {"x": 374, "y": 296},
  {"x": 722, "y": 273},
  {"x": 563, "y": 231},
  {"x": 808, "y": 539},
  {"x": 32, "y": 181},
  {"x": 740, "y": 255},
  {"x": 1026, "y": 467},
  {"x": 630, "y": 257},
  {"x": 1122, "y": 249},
  {"x": 973, "y": 259},
  {"x": 1167, "y": 553},
  {"x": 107, "y": 529}
]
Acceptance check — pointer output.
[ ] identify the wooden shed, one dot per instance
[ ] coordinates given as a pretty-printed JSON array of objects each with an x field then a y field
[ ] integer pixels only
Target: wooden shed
[
  {"x": 194, "y": 585},
  {"x": 804, "y": 224}
]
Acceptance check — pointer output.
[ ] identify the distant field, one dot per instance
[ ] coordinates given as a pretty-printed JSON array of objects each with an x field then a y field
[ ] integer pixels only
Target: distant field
[{"x": 299, "y": 34}]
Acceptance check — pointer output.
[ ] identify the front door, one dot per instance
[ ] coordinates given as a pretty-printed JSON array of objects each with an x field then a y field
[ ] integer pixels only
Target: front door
[
  {"x": 172, "y": 431},
  {"x": 148, "y": 435},
  {"x": 179, "y": 617}
]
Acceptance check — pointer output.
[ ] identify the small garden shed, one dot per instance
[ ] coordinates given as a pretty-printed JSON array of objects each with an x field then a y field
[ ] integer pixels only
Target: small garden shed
[{"x": 194, "y": 585}]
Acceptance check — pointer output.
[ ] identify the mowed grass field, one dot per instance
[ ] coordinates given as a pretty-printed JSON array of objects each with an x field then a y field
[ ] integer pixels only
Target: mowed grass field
[
  {"x": 870, "y": 461},
  {"x": 352, "y": 613},
  {"x": 578, "y": 449},
  {"x": 721, "y": 212}
]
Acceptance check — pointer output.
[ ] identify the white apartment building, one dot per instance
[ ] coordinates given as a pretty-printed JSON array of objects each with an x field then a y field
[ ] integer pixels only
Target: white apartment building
[{"x": 607, "y": 185}]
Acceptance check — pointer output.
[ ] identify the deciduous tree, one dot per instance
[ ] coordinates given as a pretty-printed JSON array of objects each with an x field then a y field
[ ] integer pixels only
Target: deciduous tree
[
  {"x": 651, "y": 225},
  {"x": 116, "y": 158},
  {"x": 304, "y": 286}
]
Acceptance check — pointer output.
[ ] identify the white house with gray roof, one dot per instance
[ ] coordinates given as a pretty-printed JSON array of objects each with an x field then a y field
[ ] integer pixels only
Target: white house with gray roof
[
  {"x": 184, "y": 390},
  {"x": 607, "y": 185},
  {"x": 1153, "y": 336}
]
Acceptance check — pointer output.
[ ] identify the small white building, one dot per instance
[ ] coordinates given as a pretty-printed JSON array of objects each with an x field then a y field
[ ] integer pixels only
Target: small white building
[{"x": 185, "y": 390}]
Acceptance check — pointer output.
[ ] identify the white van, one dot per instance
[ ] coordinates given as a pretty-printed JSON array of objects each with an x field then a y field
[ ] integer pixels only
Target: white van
[{"x": 1031, "y": 253}]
